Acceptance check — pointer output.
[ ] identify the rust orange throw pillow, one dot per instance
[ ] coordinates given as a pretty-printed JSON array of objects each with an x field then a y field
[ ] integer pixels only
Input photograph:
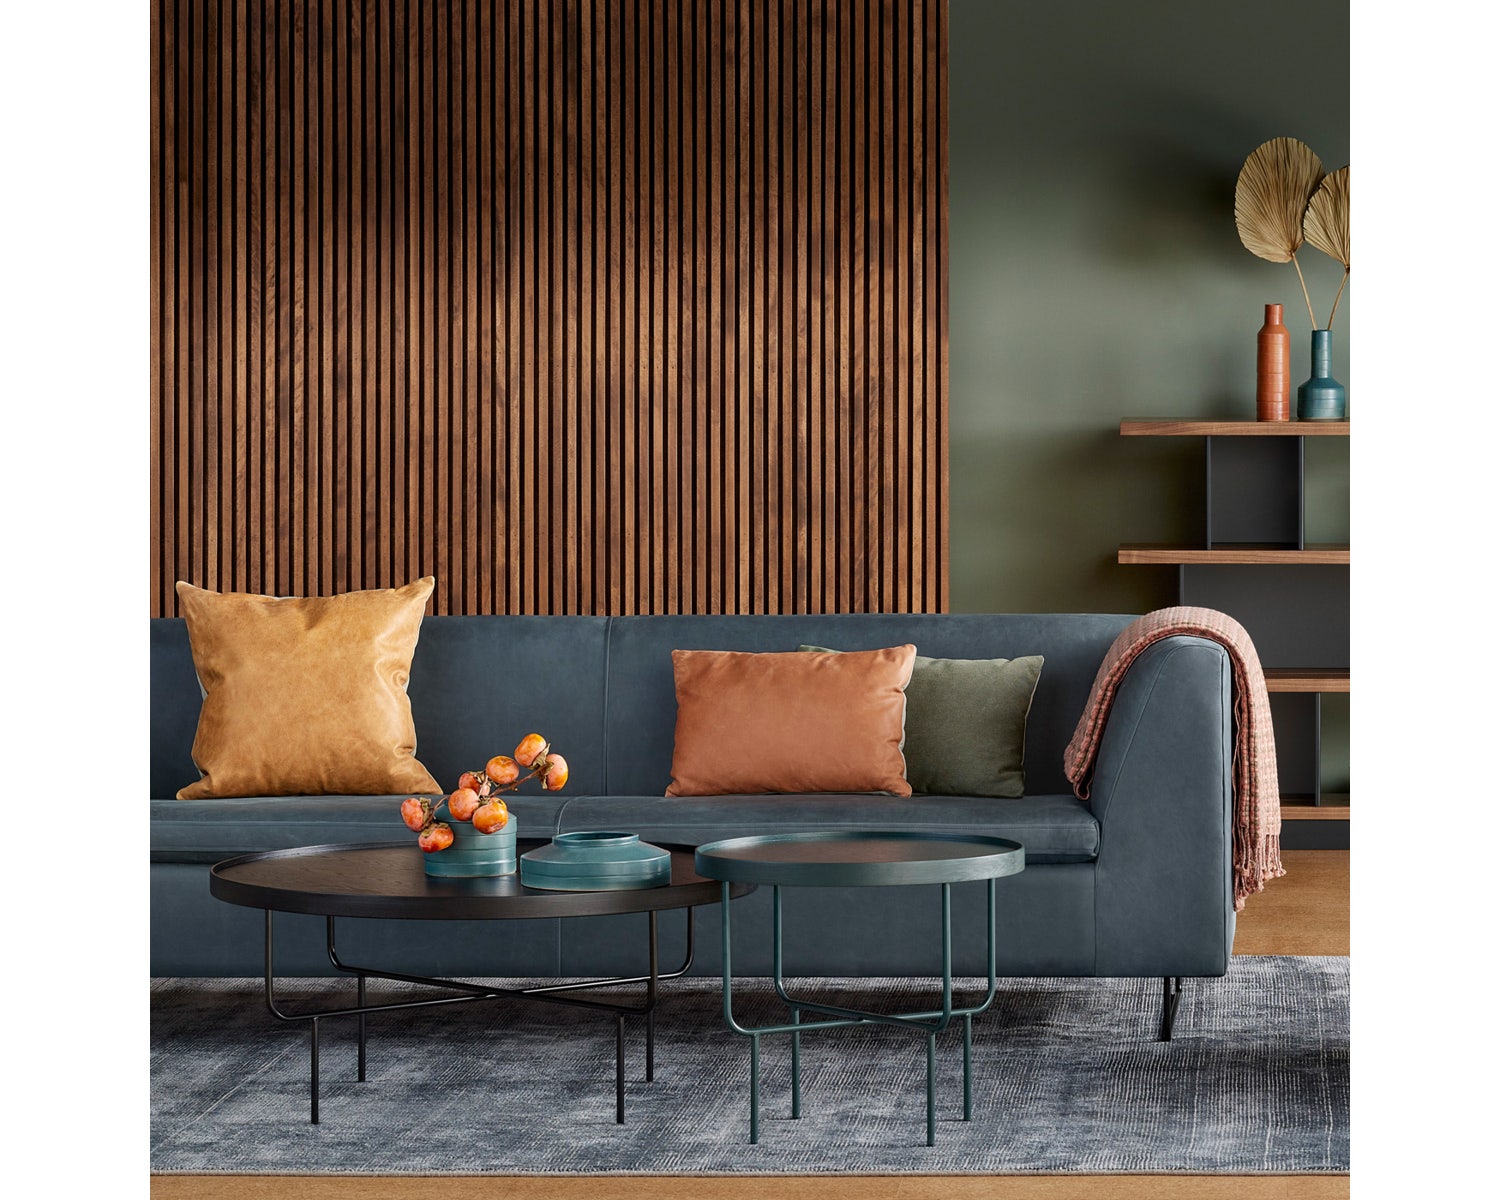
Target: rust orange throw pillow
[
  {"x": 794, "y": 722},
  {"x": 305, "y": 696}
]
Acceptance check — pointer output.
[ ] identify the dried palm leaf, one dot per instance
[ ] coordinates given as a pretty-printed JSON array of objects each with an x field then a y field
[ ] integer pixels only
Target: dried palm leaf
[
  {"x": 1326, "y": 225},
  {"x": 1271, "y": 196},
  {"x": 1270, "y": 199}
]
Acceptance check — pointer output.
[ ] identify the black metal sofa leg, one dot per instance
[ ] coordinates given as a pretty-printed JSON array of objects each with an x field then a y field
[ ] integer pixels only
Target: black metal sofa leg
[{"x": 1171, "y": 996}]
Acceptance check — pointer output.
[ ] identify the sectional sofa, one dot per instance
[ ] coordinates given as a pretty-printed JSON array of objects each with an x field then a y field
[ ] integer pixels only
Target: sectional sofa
[{"x": 1134, "y": 882}]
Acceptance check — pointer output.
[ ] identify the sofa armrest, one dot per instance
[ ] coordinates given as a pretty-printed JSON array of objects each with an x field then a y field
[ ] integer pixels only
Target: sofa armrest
[{"x": 1162, "y": 793}]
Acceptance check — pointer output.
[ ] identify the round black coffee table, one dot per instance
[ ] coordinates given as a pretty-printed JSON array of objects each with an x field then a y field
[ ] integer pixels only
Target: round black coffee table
[
  {"x": 849, "y": 859},
  {"x": 388, "y": 880}
]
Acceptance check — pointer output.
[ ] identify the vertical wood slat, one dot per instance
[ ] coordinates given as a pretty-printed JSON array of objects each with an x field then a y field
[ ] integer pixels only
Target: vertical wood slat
[
  {"x": 157, "y": 207},
  {"x": 937, "y": 101},
  {"x": 582, "y": 305}
]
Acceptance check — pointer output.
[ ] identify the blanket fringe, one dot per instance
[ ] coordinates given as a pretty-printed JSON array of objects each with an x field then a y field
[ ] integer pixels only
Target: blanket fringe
[{"x": 1265, "y": 864}]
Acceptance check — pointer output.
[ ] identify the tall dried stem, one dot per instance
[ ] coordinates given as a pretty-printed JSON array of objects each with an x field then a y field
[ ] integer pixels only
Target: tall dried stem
[
  {"x": 1305, "y": 296},
  {"x": 1338, "y": 297}
]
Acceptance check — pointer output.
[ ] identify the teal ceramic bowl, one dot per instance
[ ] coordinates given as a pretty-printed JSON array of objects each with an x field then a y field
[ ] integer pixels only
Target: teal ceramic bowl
[
  {"x": 474, "y": 855},
  {"x": 596, "y": 861}
]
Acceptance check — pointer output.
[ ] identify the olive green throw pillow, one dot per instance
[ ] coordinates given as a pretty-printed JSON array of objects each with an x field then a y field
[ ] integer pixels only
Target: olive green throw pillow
[{"x": 966, "y": 724}]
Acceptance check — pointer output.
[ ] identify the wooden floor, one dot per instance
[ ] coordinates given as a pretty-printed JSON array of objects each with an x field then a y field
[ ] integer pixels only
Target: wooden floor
[
  {"x": 1307, "y": 912},
  {"x": 775, "y": 1187}
]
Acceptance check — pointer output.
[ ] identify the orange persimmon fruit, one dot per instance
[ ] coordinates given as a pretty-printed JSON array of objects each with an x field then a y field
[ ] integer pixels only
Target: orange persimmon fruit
[
  {"x": 491, "y": 816},
  {"x": 462, "y": 803},
  {"x": 556, "y": 773},
  {"x": 415, "y": 811},
  {"x": 471, "y": 781},
  {"x": 531, "y": 745},
  {"x": 502, "y": 770}
]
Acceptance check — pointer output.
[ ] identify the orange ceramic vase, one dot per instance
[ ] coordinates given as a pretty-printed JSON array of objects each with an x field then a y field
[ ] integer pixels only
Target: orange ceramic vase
[{"x": 1273, "y": 367}]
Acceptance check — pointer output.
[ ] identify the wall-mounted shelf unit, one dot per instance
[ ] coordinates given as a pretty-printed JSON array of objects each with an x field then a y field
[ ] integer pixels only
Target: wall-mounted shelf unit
[
  {"x": 1293, "y": 679},
  {"x": 1292, "y": 596},
  {"x": 1138, "y": 552},
  {"x": 1326, "y": 810},
  {"x": 1135, "y": 427}
]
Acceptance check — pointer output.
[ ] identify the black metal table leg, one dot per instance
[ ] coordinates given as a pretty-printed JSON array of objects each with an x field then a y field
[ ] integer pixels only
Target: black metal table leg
[
  {"x": 468, "y": 992},
  {"x": 651, "y": 999},
  {"x": 620, "y": 1069},
  {"x": 314, "y": 1072},
  {"x": 1171, "y": 996},
  {"x": 361, "y": 1002}
]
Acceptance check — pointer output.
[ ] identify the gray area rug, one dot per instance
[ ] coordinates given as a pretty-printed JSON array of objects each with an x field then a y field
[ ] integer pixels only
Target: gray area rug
[{"x": 1067, "y": 1077}]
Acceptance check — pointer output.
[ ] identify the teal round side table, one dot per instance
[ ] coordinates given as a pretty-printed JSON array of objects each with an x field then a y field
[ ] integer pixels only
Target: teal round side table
[{"x": 844, "y": 859}]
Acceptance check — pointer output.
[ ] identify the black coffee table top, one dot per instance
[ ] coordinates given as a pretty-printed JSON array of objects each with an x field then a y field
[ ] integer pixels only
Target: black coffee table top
[
  {"x": 850, "y": 859},
  {"x": 386, "y": 879}
]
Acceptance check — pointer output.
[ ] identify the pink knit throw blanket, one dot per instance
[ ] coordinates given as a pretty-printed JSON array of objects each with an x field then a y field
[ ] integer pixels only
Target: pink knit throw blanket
[{"x": 1257, "y": 796}]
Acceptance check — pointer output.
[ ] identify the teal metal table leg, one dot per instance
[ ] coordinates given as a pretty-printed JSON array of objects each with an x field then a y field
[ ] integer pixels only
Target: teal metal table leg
[
  {"x": 989, "y": 922},
  {"x": 947, "y": 1012},
  {"x": 752, "y": 1034},
  {"x": 754, "y": 1088},
  {"x": 796, "y": 1065},
  {"x": 968, "y": 1056},
  {"x": 776, "y": 944},
  {"x": 931, "y": 1023}
]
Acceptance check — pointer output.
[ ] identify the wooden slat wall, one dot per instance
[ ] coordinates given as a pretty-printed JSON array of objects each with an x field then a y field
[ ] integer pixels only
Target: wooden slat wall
[{"x": 598, "y": 306}]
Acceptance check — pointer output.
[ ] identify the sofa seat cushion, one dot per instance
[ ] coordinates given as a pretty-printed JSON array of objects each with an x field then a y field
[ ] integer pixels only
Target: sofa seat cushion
[
  {"x": 206, "y": 831},
  {"x": 1053, "y": 829}
]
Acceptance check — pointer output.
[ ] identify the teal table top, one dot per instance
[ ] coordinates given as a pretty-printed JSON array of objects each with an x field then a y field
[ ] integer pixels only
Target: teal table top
[{"x": 850, "y": 859}]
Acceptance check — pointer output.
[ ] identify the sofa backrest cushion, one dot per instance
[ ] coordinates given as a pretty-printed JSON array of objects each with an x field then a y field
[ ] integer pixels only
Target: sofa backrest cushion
[
  {"x": 601, "y": 687},
  {"x": 478, "y": 685},
  {"x": 175, "y": 702},
  {"x": 641, "y": 698}
]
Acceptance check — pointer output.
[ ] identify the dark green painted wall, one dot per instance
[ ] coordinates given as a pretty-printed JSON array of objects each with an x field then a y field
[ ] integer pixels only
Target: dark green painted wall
[{"x": 1095, "y": 274}]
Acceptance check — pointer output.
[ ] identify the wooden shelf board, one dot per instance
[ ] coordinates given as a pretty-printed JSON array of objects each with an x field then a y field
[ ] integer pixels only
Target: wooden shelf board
[
  {"x": 1165, "y": 427},
  {"x": 1301, "y": 679},
  {"x": 1306, "y": 810},
  {"x": 1134, "y": 553},
  {"x": 1314, "y": 812}
]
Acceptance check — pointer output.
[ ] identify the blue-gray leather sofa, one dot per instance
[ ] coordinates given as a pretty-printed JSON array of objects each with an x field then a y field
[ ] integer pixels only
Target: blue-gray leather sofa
[{"x": 1135, "y": 882}]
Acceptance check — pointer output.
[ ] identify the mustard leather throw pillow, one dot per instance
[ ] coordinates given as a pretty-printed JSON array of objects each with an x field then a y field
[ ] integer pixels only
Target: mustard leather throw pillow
[
  {"x": 790, "y": 722},
  {"x": 305, "y": 696}
]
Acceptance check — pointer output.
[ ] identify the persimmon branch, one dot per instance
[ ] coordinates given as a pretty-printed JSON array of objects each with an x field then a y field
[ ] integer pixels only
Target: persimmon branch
[{"x": 487, "y": 789}]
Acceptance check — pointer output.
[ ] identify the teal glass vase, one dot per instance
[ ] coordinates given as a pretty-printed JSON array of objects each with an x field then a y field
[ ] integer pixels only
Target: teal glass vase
[{"x": 1322, "y": 397}]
